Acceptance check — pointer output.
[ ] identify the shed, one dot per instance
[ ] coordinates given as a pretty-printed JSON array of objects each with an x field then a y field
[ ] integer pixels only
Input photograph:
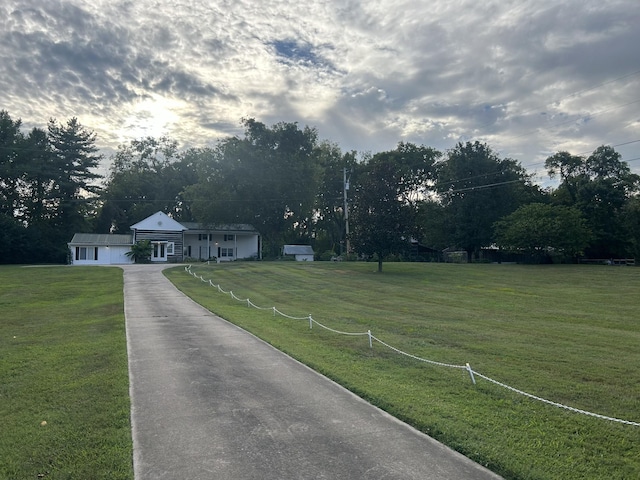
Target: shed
[{"x": 302, "y": 253}]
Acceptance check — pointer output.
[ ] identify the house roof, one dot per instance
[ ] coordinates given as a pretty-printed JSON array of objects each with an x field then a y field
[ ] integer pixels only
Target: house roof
[
  {"x": 159, "y": 221},
  {"x": 298, "y": 250},
  {"x": 101, "y": 239},
  {"x": 236, "y": 227}
]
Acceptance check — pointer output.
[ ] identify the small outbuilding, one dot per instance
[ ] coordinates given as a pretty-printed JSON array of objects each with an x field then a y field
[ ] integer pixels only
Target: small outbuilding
[{"x": 302, "y": 253}]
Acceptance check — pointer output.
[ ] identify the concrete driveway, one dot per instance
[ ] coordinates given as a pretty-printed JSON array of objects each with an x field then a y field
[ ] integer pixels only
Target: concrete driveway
[{"x": 211, "y": 401}]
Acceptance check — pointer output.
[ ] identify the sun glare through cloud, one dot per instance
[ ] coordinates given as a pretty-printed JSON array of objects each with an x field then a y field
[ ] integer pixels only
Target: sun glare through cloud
[
  {"x": 528, "y": 78},
  {"x": 154, "y": 116}
]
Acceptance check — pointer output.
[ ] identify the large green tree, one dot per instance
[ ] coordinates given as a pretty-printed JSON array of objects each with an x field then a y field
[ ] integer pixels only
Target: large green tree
[
  {"x": 20, "y": 240},
  {"x": 10, "y": 170},
  {"x": 336, "y": 171},
  {"x": 75, "y": 159},
  {"x": 433, "y": 223},
  {"x": 146, "y": 176},
  {"x": 631, "y": 219},
  {"x": 599, "y": 186},
  {"x": 268, "y": 178},
  {"x": 542, "y": 231},
  {"x": 476, "y": 188},
  {"x": 387, "y": 193},
  {"x": 39, "y": 180},
  {"x": 47, "y": 187}
]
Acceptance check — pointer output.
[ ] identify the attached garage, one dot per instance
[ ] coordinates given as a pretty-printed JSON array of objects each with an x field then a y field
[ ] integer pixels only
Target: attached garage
[{"x": 100, "y": 249}]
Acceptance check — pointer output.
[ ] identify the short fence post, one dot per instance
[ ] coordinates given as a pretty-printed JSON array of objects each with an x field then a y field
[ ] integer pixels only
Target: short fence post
[
  {"x": 274, "y": 311},
  {"x": 310, "y": 323},
  {"x": 473, "y": 379},
  {"x": 370, "y": 342},
  {"x": 248, "y": 303}
]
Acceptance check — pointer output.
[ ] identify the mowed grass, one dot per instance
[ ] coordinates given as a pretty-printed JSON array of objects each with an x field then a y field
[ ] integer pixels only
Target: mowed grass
[
  {"x": 63, "y": 361},
  {"x": 570, "y": 334}
]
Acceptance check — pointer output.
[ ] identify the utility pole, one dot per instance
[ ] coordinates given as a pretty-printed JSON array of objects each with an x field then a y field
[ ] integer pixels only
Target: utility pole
[{"x": 345, "y": 184}]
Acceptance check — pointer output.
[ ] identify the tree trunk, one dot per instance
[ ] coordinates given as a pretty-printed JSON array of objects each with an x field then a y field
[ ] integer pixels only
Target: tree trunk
[{"x": 379, "y": 264}]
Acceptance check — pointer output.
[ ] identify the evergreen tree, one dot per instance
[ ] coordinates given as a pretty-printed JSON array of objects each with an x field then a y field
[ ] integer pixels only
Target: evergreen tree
[{"x": 74, "y": 161}]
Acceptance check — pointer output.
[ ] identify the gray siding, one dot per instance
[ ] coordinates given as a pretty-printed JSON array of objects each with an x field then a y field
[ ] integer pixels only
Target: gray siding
[{"x": 158, "y": 236}]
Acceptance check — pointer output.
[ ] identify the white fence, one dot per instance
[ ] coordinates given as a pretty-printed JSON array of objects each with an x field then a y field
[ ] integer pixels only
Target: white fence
[{"x": 472, "y": 373}]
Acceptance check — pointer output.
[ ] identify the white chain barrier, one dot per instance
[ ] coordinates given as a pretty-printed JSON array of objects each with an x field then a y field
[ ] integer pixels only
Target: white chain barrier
[{"x": 467, "y": 367}]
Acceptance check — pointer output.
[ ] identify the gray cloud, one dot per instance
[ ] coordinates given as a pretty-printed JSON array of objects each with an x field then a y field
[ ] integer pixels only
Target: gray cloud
[{"x": 529, "y": 77}]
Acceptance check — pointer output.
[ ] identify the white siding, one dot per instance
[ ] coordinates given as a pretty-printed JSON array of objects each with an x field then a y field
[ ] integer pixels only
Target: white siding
[
  {"x": 117, "y": 255},
  {"x": 206, "y": 245},
  {"x": 106, "y": 256},
  {"x": 247, "y": 246}
]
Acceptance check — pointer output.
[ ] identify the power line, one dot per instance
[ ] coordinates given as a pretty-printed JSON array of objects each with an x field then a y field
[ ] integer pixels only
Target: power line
[
  {"x": 574, "y": 94},
  {"x": 585, "y": 116},
  {"x": 589, "y": 152},
  {"x": 571, "y": 120},
  {"x": 617, "y": 145},
  {"x": 482, "y": 187},
  {"x": 538, "y": 163},
  {"x": 580, "y": 92}
]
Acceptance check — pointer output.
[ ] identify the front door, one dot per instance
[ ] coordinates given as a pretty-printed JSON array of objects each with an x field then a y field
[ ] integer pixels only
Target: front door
[{"x": 159, "y": 252}]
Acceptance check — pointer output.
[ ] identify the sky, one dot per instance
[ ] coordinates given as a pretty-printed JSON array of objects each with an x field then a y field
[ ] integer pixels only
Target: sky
[{"x": 528, "y": 77}]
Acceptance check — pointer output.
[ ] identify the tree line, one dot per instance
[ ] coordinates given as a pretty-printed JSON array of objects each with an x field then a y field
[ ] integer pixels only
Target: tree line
[
  {"x": 411, "y": 202},
  {"x": 47, "y": 188}
]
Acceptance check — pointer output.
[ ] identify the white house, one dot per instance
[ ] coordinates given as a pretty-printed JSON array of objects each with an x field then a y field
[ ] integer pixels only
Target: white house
[
  {"x": 172, "y": 242},
  {"x": 302, "y": 253}
]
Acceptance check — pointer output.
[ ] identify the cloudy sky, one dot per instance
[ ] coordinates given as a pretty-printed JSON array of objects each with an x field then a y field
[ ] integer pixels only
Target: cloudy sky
[{"x": 529, "y": 77}]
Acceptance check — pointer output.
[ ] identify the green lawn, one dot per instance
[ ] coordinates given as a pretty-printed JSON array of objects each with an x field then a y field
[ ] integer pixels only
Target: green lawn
[
  {"x": 64, "y": 386},
  {"x": 570, "y": 334}
]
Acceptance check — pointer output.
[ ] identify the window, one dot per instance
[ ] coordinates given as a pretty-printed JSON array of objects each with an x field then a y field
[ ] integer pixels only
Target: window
[
  {"x": 226, "y": 252},
  {"x": 229, "y": 238},
  {"x": 86, "y": 253},
  {"x": 170, "y": 248}
]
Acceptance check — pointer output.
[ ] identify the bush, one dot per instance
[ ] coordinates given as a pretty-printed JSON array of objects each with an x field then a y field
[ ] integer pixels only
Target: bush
[
  {"x": 141, "y": 252},
  {"x": 326, "y": 256}
]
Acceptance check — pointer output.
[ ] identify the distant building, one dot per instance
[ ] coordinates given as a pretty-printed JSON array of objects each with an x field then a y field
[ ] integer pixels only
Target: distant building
[{"x": 302, "y": 253}]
